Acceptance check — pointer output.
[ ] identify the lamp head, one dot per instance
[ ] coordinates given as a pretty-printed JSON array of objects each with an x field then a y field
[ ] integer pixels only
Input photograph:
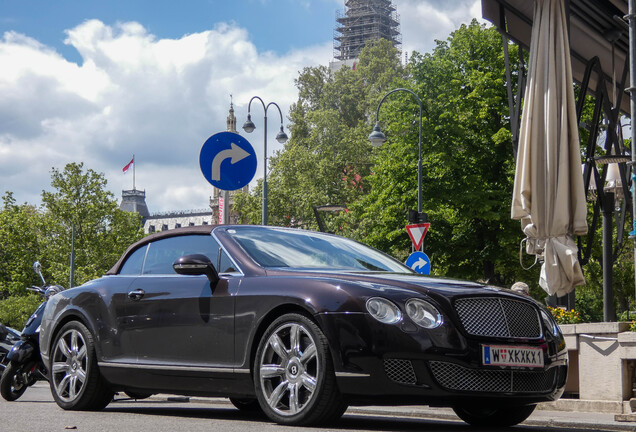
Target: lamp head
[
  {"x": 281, "y": 136},
  {"x": 249, "y": 125},
  {"x": 376, "y": 137}
]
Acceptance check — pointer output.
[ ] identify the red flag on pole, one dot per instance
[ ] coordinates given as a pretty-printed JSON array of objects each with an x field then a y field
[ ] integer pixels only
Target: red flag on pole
[{"x": 127, "y": 167}]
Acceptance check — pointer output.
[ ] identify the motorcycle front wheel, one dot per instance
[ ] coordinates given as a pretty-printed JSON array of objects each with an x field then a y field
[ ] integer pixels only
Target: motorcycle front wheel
[{"x": 13, "y": 383}]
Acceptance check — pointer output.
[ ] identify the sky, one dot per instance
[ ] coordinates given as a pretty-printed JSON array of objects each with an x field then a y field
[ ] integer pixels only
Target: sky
[{"x": 97, "y": 82}]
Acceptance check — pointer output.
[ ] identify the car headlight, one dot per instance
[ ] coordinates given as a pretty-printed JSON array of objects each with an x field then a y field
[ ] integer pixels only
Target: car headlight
[
  {"x": 384, "y": 310},
  {"x": 550, "y": 324},
  {"x": 424, "y": 314}
]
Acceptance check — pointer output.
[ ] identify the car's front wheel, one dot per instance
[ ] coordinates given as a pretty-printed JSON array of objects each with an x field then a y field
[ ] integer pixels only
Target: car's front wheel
[
  {"x": 493, "y": 417},
  {"x": 76, "y": 383},
  {"x": 293, "y": 373}
]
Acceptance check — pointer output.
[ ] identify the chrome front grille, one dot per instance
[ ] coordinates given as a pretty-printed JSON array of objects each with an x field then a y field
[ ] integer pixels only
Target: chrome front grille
[
  {"x": 498, "y": 317},
  {"x": 455, "y": 377},
  {"x": 400, "y": 371}
]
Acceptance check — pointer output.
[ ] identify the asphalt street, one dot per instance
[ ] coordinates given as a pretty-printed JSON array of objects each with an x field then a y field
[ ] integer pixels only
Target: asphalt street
[{"x": 37, "y": 412}]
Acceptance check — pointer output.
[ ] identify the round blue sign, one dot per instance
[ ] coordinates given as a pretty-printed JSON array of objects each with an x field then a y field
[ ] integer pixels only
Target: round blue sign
[
  {"x": 228, "y": 161},
  {"x": 419, "y": 262}
]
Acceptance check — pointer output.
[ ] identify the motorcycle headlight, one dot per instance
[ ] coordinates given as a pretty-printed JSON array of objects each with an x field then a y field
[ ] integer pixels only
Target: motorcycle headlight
[
  {"x": 424, "y": 314},
  {"x": 550, "y": 324},
  {"x": 384, "y": 310}
]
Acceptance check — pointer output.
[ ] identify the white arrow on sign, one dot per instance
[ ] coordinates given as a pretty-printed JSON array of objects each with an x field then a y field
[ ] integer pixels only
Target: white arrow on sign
[
  {"x": 235, "y": 153},
  {"x": 419, "y": 264}
]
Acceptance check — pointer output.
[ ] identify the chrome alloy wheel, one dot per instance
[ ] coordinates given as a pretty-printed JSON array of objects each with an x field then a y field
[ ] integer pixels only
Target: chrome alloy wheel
[
  {"x": 69, "y": 365},
  {"x": 289, "y": 369}
]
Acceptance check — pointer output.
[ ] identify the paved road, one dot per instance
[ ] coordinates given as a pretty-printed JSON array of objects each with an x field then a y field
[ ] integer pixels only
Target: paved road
[{"x": 36, "y": 412}]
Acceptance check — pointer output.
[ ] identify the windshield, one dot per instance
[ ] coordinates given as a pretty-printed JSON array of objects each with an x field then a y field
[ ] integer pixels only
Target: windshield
[{"x": 271, "y": 247}]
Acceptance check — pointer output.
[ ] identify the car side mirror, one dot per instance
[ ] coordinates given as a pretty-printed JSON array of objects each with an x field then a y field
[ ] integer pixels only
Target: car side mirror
[{"x": 196, "y": 265}]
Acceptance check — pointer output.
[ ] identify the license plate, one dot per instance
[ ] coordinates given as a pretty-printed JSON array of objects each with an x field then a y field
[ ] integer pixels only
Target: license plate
[{"x": 496, "y": 355}]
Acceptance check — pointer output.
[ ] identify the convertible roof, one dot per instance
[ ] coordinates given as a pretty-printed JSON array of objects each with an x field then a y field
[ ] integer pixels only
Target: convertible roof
[{"x": 190, "y": 230}]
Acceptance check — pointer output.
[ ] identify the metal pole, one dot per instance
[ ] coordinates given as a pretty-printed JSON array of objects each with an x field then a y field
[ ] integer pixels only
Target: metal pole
[
  {"x": 72, "y": 276},
  {"x": 264, "y": 215},
  {"x": 265, "y": 108},
  {"x": 609, "y": 311},
  {"x": 632, "y": 108}
]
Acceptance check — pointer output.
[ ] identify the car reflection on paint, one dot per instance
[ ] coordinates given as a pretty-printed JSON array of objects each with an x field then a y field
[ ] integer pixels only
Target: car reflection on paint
[{"x": 300, "y": 325}]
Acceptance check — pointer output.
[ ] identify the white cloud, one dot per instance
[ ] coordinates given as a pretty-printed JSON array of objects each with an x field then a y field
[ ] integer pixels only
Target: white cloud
[
  {"x": 133, "y": 93},
  {"x": 424, "y": 21},
  {"x": 160, "y": 99}
]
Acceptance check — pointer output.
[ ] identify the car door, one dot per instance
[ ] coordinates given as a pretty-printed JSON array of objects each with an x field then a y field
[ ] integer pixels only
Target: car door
[{"x": 176, "y": 319}]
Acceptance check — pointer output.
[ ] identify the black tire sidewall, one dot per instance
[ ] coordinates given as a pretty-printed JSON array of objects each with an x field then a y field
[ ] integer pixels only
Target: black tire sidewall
[
  {"x": 307, "y": 414},
  {"x": 499, "y": 417}
]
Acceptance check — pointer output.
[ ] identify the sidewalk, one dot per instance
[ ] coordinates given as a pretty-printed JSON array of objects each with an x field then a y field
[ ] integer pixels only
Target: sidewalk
[
  {"x": 546, "y": 415},
  {"x": 541, "y": 417}
]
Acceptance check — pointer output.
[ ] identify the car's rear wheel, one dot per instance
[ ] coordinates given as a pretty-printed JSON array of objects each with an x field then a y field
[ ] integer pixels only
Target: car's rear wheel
[
  {"x": 293, "y": 373},
  {"x": 76, "y": 383},
  {"x": 493, "y": 417}
]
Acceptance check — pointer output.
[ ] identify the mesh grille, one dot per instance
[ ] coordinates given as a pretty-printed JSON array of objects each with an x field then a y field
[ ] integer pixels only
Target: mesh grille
[
  {"x": 455, "y": 377},
  {"x": 498, "y": 317},
  {"x": 400, "y": 371}
]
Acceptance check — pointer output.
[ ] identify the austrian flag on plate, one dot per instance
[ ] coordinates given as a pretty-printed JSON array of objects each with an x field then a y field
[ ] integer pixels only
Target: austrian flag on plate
[{"x": 493, "y": 355}]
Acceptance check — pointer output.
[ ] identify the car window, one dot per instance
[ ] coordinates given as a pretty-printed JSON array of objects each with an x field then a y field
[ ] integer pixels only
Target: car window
[
  {"x": 225, "y": 264},
  {"x": 134, "y": 263},
  {"x": 310, "y": 250},
  {"x": 162, "y": 253}
]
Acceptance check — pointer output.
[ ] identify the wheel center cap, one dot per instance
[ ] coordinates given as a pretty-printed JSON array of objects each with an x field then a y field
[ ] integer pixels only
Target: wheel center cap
[{"x": 294, "y": 369}]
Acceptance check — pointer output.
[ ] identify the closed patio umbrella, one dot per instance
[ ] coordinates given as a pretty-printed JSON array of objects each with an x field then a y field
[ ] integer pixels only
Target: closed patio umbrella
[{"x": 548, "y": 196}]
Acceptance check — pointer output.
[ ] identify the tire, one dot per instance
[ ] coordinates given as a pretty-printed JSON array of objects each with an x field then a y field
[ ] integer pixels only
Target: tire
[
  {"x": 76, "y": 383},
  {"x": 246, "y": 404},
  {"x": 13, "y": 383},
  {"x": 494, "y": 417},
  {"x": 137, "y": 395},
  {"x": 293, "y": 374}
]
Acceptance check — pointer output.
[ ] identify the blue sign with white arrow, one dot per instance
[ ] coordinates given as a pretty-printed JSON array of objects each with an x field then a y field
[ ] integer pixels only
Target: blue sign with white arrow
[
  {"x": 228, "y": 161},
  {"x": 419, "y": 262}
]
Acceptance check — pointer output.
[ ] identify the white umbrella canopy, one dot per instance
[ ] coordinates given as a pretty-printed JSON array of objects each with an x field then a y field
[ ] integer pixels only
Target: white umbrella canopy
[{"x": 549, "y": 196}]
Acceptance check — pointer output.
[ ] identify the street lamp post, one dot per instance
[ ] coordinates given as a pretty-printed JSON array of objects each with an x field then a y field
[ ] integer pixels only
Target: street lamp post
[
  {"x": 377, "y": 138},
  {"x": 281, "y": 137}
]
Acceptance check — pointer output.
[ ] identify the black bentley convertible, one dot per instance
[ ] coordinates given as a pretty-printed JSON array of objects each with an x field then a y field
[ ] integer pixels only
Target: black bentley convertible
[{"x": 300, "y": 325}]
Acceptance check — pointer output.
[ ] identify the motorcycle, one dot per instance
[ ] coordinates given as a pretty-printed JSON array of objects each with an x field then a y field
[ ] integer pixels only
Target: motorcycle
[{"x": 24, "y": 364}]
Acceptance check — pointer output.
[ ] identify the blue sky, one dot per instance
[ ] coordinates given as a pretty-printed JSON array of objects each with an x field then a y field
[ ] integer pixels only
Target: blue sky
[
  {"x": 274, "y": 25},
  {"x": 96, "y": 81}
]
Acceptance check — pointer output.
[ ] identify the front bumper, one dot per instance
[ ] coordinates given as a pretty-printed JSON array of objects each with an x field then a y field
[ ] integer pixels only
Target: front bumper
[{"x": 405, "y": 364}]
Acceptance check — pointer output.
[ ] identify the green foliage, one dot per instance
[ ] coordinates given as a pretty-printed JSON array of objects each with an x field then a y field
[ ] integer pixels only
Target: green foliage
[
  {"x": 328, "y": 152},
  {"x": 16, "y": 310},
  {"x": 468, "y": 166},
  {"x": 78, "y": 199},
  {"x": 20, "y": 237}
]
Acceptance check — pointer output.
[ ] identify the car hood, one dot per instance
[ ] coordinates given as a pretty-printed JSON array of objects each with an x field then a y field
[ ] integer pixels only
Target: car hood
[{"x": 397, "y": 282}]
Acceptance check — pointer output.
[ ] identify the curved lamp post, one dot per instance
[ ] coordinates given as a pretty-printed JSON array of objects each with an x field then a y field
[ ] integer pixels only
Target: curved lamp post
[
  {"x": 281, "y": 137},
  {"x": 377, "y": 138}
]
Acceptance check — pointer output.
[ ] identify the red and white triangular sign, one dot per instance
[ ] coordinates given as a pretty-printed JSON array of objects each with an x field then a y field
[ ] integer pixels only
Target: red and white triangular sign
[{"x": 417, "y": 232}]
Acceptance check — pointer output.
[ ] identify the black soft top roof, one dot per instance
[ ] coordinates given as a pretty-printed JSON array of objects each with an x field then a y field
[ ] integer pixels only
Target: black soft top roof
[{"x": 190, "y": 230}]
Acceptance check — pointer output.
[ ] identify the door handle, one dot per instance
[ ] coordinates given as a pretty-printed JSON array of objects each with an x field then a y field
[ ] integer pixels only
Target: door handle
[{"x": 136, "y": 294}]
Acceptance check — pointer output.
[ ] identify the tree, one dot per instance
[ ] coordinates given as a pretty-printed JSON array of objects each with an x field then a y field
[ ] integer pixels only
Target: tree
[
  {"x": 468, "y": 164},
  {"x": 102, "y": 232},
  {"x": 80, "y": 202},
  {"x": 20, "y": 237},
  {"x": 328, "y": 153}
]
